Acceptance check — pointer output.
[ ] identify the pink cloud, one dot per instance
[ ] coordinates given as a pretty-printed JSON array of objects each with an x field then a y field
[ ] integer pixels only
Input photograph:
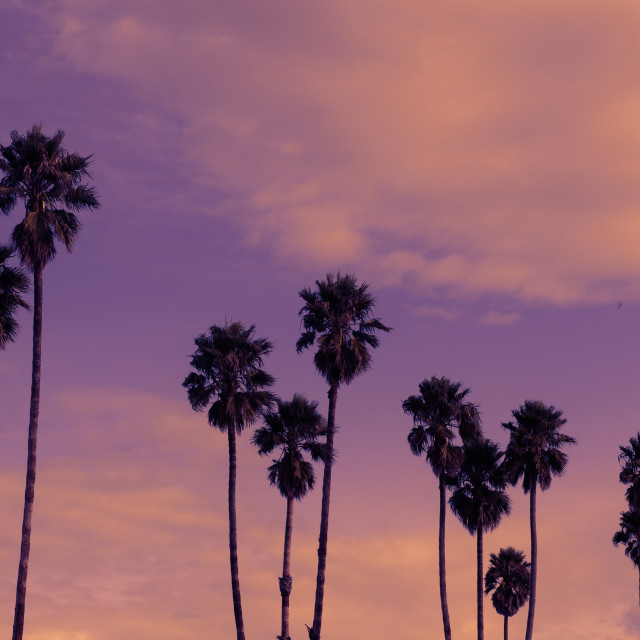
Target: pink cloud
[{"x": 498, "y": 135}]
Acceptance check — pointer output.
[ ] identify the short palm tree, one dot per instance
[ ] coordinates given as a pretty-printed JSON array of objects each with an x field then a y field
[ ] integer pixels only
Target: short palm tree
[
  {"x": 229, "y": 378},
  {"x": 509, "y": 577},
  {"x": 629, "y": 459},
  {"x": 629, "y": 536},
  {"x": 479, "y": 500},
  {"x": 338, "y": 314},
  {"x": 439, "y": 412},
  {"x": 39, "y": 172},
  {"x": 293, "y": 429},
  {"x": 534, "y": 454},
  {"x": 13, "y": 283}
]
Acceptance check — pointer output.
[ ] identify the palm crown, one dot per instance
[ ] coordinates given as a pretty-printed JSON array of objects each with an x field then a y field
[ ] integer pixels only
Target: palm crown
[
  {"x": 13, "y": 283},
  {"x": 437, "y": 412},
  {"x": 479, "y": 497},
  {"x": 629, "y": 535},
  {"x": 509, "y": 577},
  {"x": 293, "y": 429},
  {"x": 40, "y": 172},
  {"x": 338, "y": 313},
  {"x": 533, "y": 452},
  {"x": 629, "y": 459},
  {"x": 227, "y": 365}
]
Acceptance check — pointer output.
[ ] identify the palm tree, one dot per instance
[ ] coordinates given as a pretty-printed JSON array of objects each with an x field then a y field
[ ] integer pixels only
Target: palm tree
[
  {"x": 629, "y": 459},
  {"x": 41, "y": 173},
  {"x": 509, "y": 577},
  {"x": 338, "y": 314},
  {"x": 629, "y": 536},
  {"x": 437, "y": 413},
  {"x": 229, "y": 377},
  {"x": 479, "y": 501},
  {"x": 293, "y": 429},
  {"x": 13, "y": 283},
  {"x": 534, "y": 454}
]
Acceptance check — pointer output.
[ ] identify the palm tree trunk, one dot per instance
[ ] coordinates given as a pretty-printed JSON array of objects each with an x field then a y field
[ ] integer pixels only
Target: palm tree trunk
[
  {"x": 233, "y": 535},
  {"x": 534, "y": 561},
  {"x": 480, "y": 583},
  {"x": 25, "y": 546},
  {"x": 441, "y": 560},
  {"x": 286, "y": 581},
  {"x": 314, "y": 632},
  {"x": 506, "y": 628}
]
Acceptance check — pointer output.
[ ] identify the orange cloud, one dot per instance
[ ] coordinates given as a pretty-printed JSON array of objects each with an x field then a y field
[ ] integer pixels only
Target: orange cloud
[{"x": 497, "y": 147}]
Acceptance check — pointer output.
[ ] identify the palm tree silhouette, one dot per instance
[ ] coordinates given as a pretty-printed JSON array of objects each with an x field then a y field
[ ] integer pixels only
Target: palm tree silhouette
[
  {"x": 509, "y": 577},
  {"x": 534, "y": 454},
  {"x": 479, "y": 501},
  {"x": 338, "y": 314},
  {"x": 293, "y": 429},
  {"x": 39, "y": 172},
  {"x": 629, "y": 459},
  {"x": 229, "y": 377},
  {"x": 629, "y": 536},
  {"x": 13, "y": 283},
  {"x": 437, "y": 413}
]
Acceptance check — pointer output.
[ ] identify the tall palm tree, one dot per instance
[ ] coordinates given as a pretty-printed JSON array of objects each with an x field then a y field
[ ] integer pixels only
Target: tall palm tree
[
  {"x": 13, "y": 283},
  {"x": 534, "y": 454},
  {"x": 479, "y": 500},
  {"x": 438, "y": 413},
  {"x": 509, "y": 577},
  {"x": 629, "y": 536},
  {"x": 338, "y": 313},
  {"x": 629, "y": 459},
  {"x": 41, "y": 173},
  {"x": 228, "y": 376},
  {"x": 293, "y": 429}
]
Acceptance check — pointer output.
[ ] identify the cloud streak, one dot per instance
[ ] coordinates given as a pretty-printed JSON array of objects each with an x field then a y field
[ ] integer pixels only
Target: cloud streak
[{"x": 457, "y": 150}]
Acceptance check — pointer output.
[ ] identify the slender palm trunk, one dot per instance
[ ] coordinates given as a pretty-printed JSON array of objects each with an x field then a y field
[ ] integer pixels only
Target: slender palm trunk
[
  {"x": 480, "y": 583},
  {"x": 25, "y": 546},
  {"x": 286, "y": 582},
  {"x": 441, "y": 560},
  {"x": 314, "y": 632},
  {"x": 233, "y": 535},
  {"x": 534, "y": 561},
  {"x": 506, "y": 628}
]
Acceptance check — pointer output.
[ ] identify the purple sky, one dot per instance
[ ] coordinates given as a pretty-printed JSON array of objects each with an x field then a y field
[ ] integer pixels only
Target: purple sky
[{"x": 478, "y": 166}]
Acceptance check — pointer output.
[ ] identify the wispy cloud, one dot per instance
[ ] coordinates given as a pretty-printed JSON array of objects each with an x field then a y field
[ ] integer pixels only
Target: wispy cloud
[
  {"x": 454, "y": 149},
  {"x": 500, "y": 318}
]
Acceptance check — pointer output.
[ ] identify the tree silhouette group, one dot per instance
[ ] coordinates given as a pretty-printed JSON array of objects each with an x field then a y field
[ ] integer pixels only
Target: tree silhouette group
[{"x": 229, "y": 382}]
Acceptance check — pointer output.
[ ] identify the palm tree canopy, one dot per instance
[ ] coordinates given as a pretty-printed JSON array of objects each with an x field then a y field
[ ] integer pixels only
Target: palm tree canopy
[
  {"x": 338, "y": 314},
  {"x": 437, "y": 412},
  {"x": 509, "y": 577},
  {"x": 629, "y": 535},
  {"x": 292, "y": 429},
  {"x": 479, "y": 497},
  {"x": 533, "y": 452},
  {"x": 39, "y": 171},
  {"x": 13, "y": 283},
  {"x": 629, "y": 459},
  {"x": 228, "y": 373}
]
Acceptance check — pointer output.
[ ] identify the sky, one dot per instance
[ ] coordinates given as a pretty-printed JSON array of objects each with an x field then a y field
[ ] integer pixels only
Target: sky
[{"x": 476, "y": 163}]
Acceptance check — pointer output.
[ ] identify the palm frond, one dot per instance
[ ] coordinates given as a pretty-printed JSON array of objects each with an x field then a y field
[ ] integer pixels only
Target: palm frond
[
  {"x": 40, "y": 172},
  {"x": 338, "y": 315},
  {"x": 294, "y": 427}
]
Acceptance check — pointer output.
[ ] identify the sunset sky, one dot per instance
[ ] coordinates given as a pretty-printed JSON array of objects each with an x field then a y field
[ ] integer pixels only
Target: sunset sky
[{"x": 478, "y": 164}]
